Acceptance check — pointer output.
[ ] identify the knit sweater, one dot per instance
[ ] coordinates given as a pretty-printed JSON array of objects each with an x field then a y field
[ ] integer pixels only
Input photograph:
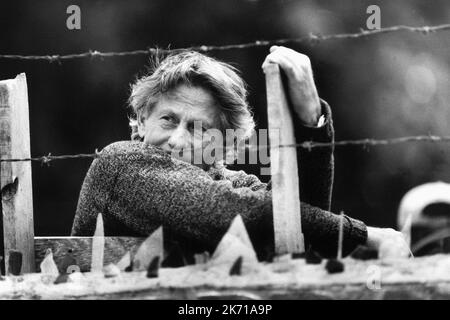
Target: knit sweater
[{"x": 138, "y": 188}]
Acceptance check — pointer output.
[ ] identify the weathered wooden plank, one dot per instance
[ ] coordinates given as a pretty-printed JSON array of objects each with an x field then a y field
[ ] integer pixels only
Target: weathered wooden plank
[
  {"x": 419, "y": 278},
  {"x": 81, "y": 249},
  {"x": 98, "y": 246},
  {"x": 406, "y": 291},
  {"x": 283, "y": 166},
  {"x": 15, "y": 178},
  {"x": 151, "y": 248}
]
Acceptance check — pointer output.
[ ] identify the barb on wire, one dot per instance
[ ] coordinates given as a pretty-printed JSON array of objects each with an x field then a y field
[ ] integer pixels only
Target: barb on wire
[
  {"x": 311, "y": 39},
  {"x": 307, "y": 145},
  {"x": 49, "y": 158}
]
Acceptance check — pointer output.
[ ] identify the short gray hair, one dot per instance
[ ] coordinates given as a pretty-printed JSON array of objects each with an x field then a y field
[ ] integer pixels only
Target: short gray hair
[{"x": 195, "y": 69}]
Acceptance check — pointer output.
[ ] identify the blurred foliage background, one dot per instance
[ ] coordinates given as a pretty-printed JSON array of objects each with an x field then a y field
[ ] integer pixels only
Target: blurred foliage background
[{"x": 383, "y": 86}]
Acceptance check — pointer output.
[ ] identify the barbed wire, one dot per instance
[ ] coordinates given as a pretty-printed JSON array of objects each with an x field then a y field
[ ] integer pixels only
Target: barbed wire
[
  {"x": 311, "y": 39},
  {"x": 308, "y": 145},
  {"x": 368, "y": 142}
]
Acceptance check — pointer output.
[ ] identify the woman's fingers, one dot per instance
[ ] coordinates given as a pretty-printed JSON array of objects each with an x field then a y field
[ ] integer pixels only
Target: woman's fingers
[
  {"x": 273, "y": 48},
  {"x": 393, "y": 249},
  {"x": 390, "y": 243},
  {"x": 302, "y": 90},
  {"x": 294, "y": 64},
  {"x": 282, "y": 60}
]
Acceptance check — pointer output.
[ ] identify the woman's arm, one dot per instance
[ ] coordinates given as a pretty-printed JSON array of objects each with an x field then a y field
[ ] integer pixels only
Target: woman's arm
[
  {"x": 308, "y": 107},
  {"x": 148, "y": 189},
  {"x": 316, "y": 166}
]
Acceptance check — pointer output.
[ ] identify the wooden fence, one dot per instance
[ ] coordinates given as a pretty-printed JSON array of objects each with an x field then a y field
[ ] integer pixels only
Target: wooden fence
[{"x": 17, "y": 196}]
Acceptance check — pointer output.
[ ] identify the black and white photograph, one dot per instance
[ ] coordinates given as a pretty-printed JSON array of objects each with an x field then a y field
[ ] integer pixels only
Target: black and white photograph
[{"x": 253, "y": 150}]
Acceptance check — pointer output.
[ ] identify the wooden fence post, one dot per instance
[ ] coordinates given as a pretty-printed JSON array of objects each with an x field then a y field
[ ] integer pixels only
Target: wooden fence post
[
  {"x": 283, "y": 166},
  {"x": 15, "y": 178}
]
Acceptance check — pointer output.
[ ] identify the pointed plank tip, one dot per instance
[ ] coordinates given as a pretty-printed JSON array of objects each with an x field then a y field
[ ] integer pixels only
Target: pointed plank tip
[
  {"x": 99, "y": 228},
  {"x": 151, "y": 247},
  {"x": 98, "y": 246}
]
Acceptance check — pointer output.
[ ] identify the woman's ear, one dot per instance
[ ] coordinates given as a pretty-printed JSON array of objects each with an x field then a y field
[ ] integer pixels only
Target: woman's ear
[{"x": 141, "y": 117}]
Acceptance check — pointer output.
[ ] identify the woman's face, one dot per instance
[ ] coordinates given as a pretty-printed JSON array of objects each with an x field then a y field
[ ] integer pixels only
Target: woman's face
[{"x": 178, "y": 120}]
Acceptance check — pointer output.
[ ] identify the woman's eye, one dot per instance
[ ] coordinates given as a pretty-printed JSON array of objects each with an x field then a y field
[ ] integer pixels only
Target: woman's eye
[{"x": 167, "y": 118}]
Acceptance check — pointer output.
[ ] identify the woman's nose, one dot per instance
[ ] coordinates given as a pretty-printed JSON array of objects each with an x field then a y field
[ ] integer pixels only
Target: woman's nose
[{"x": 179, "y": 138}]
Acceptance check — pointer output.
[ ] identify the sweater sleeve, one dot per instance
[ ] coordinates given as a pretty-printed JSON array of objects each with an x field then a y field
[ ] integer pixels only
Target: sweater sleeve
[
  {"x": 145, "y": 189},
  {"x": 316, "y": 166},
  {"x": 316, "y": 173}
]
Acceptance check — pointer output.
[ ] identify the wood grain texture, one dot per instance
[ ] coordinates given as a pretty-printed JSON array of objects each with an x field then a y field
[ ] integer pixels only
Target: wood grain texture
[
  {"x": 15, "y": 178},
  {"x": 401, "y": 291},
  {"x": 115, "y": 249},
  {"x": 151, "y": 248},
  {"x": 98, "y": 245},
  {"x": 419, "y": 278},
  {"x": 283, "y": 166},
  {"x": 404, "y": 291}
]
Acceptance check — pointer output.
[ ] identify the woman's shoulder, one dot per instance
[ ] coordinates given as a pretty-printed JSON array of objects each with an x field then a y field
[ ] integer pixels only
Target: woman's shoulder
[
  {"x": 120, "y": 152},
  {"x": 130, "y": 147},
  {"x": 123, "y": 146}
]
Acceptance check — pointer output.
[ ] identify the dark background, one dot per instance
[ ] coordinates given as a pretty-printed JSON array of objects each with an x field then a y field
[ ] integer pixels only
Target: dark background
[{"x": 384, "y": 86}]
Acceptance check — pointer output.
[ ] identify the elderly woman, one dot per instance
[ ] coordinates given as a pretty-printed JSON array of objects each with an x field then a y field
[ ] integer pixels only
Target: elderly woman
[{"x": 151, "y": 181}]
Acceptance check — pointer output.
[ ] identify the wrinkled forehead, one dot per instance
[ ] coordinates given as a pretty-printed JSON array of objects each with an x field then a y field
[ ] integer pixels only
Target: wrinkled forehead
[
  {"x": 191, "y": 96},
  {"x": 190, "y": 103}
]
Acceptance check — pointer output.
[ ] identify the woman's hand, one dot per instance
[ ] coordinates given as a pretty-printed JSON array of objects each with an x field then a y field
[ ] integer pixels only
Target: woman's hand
[
  {"x": 390, "y": 244},
  {"x": 302, "y": 90}
]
